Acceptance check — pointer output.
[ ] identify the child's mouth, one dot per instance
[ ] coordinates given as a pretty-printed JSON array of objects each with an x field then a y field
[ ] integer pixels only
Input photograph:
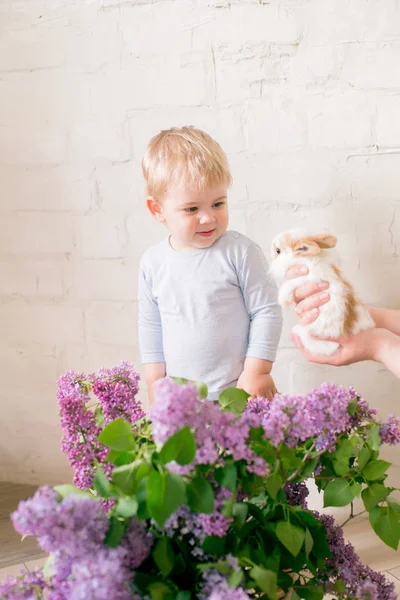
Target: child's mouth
[{"x": 206, "y": 233}]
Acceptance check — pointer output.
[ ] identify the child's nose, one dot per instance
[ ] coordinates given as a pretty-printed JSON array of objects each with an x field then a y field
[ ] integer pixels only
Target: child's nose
[{"x": 206, "y": 217}]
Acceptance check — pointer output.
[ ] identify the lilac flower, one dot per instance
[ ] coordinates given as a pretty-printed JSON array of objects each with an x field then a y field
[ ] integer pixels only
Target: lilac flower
[
  {"x": 101, "y": 576},
  {"x": 215, "y": 523},
  {"x": 216, "y": 432},
  {"x": 390, "y": 431},
  {"x": 294, "y": 419},
  {"x": 80, "y": 432},
  {"x": 116, "y": 390},
  {"x": 174, "y": 407},
  {"x": 137, "y": 543},
  {"x": 75, "y": 525},
  {"x": 296, "y": 494},
  {"x": 28, "y": 586},
  {"x": 345, "y": 565},
  {"x": 218, "y": 588}
]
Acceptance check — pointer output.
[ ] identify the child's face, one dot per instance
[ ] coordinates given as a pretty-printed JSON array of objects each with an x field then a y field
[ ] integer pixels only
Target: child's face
[{"x": 195, "y": 218}]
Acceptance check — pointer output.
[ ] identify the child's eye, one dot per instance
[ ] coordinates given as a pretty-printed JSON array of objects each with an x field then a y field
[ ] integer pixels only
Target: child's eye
[
  {"x": 218, "y": 204},
  {"x": 191, "y": 209}
]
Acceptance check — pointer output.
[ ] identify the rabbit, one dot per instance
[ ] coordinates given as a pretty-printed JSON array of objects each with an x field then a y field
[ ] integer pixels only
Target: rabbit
[{"x": 344, "y": 314}]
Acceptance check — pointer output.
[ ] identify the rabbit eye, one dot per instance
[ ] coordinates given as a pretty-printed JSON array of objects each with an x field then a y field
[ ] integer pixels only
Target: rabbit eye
[{"x": 278, "y": 250}]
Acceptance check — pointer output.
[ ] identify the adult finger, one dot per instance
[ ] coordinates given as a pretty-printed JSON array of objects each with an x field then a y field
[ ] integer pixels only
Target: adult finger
[
  {"x": 312, "y": 302},
  {"x": 319, "y": 359},
  {"x": 296, "y": 271},
  {"x": 308, "y": 289}
]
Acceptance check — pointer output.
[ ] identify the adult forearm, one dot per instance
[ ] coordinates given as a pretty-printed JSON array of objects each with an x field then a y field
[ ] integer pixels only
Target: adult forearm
[
  {"x": 152, "y": 373},
  {"x": 386, "y": 318},
  {"x": 390, "y": 353}
]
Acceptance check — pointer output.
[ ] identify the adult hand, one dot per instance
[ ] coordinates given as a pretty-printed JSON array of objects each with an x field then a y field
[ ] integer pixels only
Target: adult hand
[
  {"x": 308, "y": 297},
  {"x": 366, "y": 345}
]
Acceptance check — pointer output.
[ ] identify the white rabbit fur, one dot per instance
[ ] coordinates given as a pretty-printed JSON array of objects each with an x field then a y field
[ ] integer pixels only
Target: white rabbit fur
[{"x": 342, "y": 314}]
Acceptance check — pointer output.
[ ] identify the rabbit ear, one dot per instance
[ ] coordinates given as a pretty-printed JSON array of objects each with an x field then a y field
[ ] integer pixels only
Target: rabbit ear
[
  {"x": 306, "y": 247},
  {"x": 324, "y": 240}
]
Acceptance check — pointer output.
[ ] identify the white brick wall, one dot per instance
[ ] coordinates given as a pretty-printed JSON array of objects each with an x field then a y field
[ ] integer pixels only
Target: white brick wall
[{"x": 303, "y": 95}]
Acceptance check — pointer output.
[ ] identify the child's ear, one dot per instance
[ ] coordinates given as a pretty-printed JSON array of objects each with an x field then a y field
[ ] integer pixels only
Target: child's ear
[{"x": 155, "y": 208}]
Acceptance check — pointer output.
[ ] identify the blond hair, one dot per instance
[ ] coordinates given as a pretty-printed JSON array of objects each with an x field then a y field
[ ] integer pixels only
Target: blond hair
[{"x": 183, "y": 156}]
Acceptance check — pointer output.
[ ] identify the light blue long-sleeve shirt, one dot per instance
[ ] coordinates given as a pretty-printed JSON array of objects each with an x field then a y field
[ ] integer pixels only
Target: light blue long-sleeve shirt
[{"x": 204, "y": 310}]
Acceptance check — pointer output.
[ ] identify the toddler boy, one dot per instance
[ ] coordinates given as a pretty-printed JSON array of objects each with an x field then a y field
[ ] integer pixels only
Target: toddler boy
[{"x": 208, "y": 309}]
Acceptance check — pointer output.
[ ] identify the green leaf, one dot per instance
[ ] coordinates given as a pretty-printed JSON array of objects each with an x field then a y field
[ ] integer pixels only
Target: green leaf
[
  {"x": 119, "y": 458},
  {"x": 356, "y": 489},
  {"x": 320, "y": 548},
  {"x": 374, "y": 494},
  {"x": 339, "y": 586},
  {"x": 385, "y": 522},
  {"x": 309, "y": 467},
  {"x": 376, "y": 469},
  {"x": 213, "y": 545},
  {"x": 127, "y": 507},
  {"x": 160, "y": 591},
  {"x": 163, "y": 555},
  {"x": 289, "y": 458},
  {"x": 309, "y": 543},
  {"x": 310, "y": 592},
  {"x": 374, "y": 439},
  {"x": 344, "y": 450},
  {"x": 200, "y": 496},
  {"x": 118, "y": 435},
  {"x": 180, "y": 447},
  {"x": 98, "y": 414},
  {"x": 235, "y": 578},
  {"x": 180, "y": 380},
  {"x": 273, "y": 484},
  {"x": 124, "y": 478},
  {"x": 141, "y": 496},
  {"x": 227, "y": 477},
  {"x": 101, "y": 484},
  {"x": 49, "y": 568},
  {"x": 165, "y": 494},
  {"x": 363, "y": 457},
  {"x": 233, "y": 399},
  {"x": 266, "y": 581},
  {"x": 352, "y": 407},
  {"x": 183, "y": 595},
  {"x": 290, "y": 536},
  {"x": 341, "y": 467},
  {"x": 67, "y": 489},
  {"x": 338, "y": 493},
  {"x": 240, "y": 511},
  {"x": 202, "y": 389},
  {"x": 115, "y": 532}
]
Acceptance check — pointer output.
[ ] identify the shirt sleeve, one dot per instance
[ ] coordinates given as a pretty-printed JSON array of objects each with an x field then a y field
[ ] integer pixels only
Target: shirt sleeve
[
  {"x": 260, "y": 295},
  {"x": 150, "y": 329}
]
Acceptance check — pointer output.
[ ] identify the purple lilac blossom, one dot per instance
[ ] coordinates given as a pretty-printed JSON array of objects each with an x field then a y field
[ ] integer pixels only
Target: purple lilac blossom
[
  {"x": 28, "y": 586},
  {"x": 137, "y": 543},
  {"x": 80, "y": 432},
  {"x": 176, "y": 406},
  {"x": 296, "y": 494},
  {"x": 294, "y": 419},
  {"x": 216, "y": 586},
  {"x": 75, "y": 525},
  {"x": 390, "y": 431},
  {"x": 345, "y": 565},
  {"x": 116, "y": 390},
  {"x": 101, "y": 576}
]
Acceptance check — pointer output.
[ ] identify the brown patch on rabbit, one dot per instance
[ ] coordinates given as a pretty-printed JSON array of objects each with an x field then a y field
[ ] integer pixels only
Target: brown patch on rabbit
[{"x": 350, "y": 317}]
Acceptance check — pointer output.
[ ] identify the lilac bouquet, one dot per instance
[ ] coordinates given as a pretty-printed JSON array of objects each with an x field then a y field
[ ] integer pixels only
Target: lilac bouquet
[{"x": 204, "y": 500}]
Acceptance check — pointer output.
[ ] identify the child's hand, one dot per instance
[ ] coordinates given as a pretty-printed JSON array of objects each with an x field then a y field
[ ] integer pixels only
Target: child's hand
[{"x": 257, "y": 384}]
